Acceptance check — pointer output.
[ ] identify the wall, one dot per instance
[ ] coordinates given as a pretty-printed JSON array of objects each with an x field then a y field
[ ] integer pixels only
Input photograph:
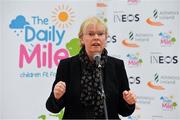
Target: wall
[{"x": 1, "y": 60}]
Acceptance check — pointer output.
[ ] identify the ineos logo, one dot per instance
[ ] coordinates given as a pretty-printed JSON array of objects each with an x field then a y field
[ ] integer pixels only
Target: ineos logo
[
  {"x": 134, "y": 80},
  {"x": 112, "y": 39},
  {"x": 164, "y": 59},
  {"x": 126, "y": 18}
]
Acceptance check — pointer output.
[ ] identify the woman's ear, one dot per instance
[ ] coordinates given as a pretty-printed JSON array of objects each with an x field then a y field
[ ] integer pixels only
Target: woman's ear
[
  {"x": 81, "y": 41},
  {"x": 106, "y": 41}
]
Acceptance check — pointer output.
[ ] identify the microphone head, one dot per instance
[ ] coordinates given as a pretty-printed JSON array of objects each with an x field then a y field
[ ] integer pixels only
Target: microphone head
[{"x": 97, "y": 58}]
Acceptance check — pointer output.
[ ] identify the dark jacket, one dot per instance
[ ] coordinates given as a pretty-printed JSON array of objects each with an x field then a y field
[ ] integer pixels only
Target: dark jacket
[{"x": 115, "y": 82}]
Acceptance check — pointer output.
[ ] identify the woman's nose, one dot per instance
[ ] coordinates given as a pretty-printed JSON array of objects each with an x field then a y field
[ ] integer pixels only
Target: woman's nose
[{"x": 96, "y": 36}]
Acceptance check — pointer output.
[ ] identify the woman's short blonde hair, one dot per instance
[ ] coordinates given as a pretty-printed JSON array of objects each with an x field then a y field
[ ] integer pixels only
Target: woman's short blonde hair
[{"x": 91, "y": 20}]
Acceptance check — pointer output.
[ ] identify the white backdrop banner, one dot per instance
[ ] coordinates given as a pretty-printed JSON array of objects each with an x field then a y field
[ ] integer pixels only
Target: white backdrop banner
[
  {"x": 1, "y": 60},
  {"x": 38, "y": 34}
]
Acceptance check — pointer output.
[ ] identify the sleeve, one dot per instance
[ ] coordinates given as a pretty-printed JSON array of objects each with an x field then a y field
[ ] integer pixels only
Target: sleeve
[
  {"x": 52, "y": 104},
  {"x": 124, "y": 108}
]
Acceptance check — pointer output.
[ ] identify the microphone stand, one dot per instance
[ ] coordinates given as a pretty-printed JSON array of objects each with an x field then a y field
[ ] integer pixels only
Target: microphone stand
[{"x": 103, "y": 94}]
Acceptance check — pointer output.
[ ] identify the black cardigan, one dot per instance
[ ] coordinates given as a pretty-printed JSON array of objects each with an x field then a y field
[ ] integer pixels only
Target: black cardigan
[{"x": 115, "y": 82}]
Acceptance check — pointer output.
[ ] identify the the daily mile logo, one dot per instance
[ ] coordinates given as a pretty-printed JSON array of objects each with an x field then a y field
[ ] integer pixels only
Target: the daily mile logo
[{"x": 41, "y": 37}]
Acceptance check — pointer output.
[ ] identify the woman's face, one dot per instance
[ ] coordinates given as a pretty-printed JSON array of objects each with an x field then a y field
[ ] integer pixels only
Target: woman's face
[{"x": 94, "y": 39}]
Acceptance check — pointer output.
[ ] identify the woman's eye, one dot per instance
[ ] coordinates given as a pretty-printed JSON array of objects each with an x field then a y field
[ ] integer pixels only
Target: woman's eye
[
  {"x": 100, "y": 34},
  {"x": 91, "y": 34}
]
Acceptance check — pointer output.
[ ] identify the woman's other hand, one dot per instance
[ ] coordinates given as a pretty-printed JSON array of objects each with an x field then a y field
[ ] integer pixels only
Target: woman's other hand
[
  {"x": 59, "y": 89},
  {"x": 129, "y": 97}
]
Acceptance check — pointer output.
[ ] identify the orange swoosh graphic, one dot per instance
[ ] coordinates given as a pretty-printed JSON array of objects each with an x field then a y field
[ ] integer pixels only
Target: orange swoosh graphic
[
  {"x": 137, "y": 107},
  {"x": 149, "y": 21},
  {"x": 157, "y": 87},
  {"x": 126, "y": 43},
  {"x": 101, "y": 5}
]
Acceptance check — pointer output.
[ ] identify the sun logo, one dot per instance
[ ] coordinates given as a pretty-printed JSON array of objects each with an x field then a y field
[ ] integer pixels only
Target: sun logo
[{"x": 63, "y": 16}]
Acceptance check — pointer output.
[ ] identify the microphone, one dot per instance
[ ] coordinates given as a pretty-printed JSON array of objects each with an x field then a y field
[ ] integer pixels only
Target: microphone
[{"x": 97, "y": 58}]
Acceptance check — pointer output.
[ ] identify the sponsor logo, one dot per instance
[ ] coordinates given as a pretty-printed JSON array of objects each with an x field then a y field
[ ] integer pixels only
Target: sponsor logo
[
  {"x": 167, "y": 103},
  {"x": 144, "y": 100},
  {"x": 102, "y": 11},
  {"x": 155, "y": 83},
  {"x": 161, "y": 80},
  {"x": 41, "y": 41},
  {"x": 133, "y": 2},
  {"x": 135, "y": 38},
  {"x": 134, "y": 80},
  {"x": 160, "y": 59},
  {"x": 122, "y": 17},
  {"x": 166, "y": 39},
  {"x": 134, "y": 60},
  {"x": 159, "y": 16}
]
